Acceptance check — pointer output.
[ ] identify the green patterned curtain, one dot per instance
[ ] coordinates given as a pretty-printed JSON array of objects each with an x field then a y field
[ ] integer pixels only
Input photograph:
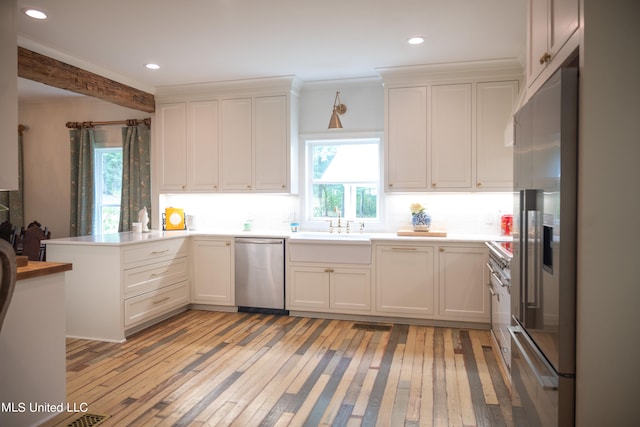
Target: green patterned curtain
[
  {"x": 82, "y": 181},
  {"x": 13, "y": 199},
  {"x": 136, "y": 174}
]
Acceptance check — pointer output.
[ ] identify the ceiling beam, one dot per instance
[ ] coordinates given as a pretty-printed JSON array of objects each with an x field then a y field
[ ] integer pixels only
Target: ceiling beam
[{"x": 43, "y": 69}]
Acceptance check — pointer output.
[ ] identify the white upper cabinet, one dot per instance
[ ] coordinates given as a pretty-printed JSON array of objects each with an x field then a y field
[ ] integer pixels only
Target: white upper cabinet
[
  {"x": 172, "y": 142},
  {"x": 494, "y": 160},
  {"x": 236, "y": 163},
  {"x": 451, "y": 145},
  {"x": 203, "y": 145},
  {"x": 445, "y": 128},
  {"x": 188, "y": 146},
  {"x": 228, "y": 137},
  {"x": 406, "y": 148},
  {"x": 255, "y": 144},
  {"x": 272, "y": 155},
  {"x": 550, "y": 25}
]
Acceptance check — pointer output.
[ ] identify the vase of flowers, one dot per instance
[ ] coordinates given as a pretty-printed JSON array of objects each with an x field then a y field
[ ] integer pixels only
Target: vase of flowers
[{"x": 420, "y": 219}]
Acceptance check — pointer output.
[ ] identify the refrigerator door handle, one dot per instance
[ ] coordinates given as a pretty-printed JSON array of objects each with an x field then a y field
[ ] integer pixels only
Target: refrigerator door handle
[
  {"x": 532, "y": 292},
  {"x": 547, "y": 382}
]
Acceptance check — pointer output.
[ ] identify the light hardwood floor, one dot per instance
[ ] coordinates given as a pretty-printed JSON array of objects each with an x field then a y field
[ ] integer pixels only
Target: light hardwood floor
[{"x": 238, "y": 369}]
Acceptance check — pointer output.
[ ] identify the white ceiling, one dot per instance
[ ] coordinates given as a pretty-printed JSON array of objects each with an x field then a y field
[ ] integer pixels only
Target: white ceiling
[{"x": 199, "y": 41}]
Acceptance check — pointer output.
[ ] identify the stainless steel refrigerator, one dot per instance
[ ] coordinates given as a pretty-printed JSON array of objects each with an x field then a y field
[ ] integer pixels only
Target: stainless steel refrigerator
[{"x": 543, "y": 269}]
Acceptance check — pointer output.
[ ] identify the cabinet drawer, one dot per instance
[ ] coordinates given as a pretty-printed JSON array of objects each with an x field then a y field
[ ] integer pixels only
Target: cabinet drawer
[
  {"x": 154, "y": 251},
  {"x": 155, "y": 303},
  {"x": 154, "y": 276}
]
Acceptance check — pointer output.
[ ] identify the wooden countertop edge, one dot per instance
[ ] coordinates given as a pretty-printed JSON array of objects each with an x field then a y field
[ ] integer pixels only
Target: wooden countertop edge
[{"x": 41, "y": 268}]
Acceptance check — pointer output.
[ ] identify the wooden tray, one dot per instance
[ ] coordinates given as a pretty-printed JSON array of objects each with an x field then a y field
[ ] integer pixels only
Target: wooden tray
[{"x": 430, "y": 233}]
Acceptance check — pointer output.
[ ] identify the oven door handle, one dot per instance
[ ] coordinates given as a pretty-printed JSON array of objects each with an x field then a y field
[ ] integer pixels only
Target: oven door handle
[
  {"x": 493, "y": 250},
  {"x": 490, "y": 267},
  {"x": 495, "y": 275},
  {"x": 500, "y": 282}
]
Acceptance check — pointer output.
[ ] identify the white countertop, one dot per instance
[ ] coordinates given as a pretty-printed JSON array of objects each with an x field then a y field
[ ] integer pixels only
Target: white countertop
[{"x": 127, "y": 238}]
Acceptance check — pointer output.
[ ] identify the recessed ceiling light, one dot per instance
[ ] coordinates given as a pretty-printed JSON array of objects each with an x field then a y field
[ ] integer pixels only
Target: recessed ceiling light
[
  {"x": 35, "y": 13},
  {"x": 416, "y": 40},
  {"x": 152, "y": 66}
]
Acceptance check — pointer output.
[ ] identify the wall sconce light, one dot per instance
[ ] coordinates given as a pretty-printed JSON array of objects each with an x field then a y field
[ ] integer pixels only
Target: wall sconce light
[{"x": 338, "y": 108}]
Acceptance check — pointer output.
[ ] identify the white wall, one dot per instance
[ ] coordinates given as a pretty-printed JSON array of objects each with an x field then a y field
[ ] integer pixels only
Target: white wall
[
  {"x": 363, "y": 98},
  {"x": 608, "y": 348},
  {"x": 9, "y": 94},
  {"x": 46, "y": 153}
]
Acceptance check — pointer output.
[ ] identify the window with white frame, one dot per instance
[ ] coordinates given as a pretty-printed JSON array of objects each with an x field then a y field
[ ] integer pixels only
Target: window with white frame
[
  {"x": 108, "y": 183},
  {"x": 343, "y": 175}
]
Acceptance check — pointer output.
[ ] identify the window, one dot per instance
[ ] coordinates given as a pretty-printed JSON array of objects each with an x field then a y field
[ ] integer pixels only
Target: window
[
  {"x": 343, "y": 175},
  {"x": 108, "y": 178}
]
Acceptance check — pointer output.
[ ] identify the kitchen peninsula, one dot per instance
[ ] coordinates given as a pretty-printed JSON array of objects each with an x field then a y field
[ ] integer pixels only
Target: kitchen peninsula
[{"x": 32, "y": 345}]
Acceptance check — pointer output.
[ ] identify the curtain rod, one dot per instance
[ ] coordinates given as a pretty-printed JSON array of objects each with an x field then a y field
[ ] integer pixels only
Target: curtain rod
[
  {"x": 22, "y": 128},
  {"x": 132, "y": 122}
]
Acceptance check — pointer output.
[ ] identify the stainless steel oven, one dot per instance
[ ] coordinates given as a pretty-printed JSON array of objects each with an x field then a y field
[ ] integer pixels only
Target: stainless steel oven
[{"x": 498, "y": 263}]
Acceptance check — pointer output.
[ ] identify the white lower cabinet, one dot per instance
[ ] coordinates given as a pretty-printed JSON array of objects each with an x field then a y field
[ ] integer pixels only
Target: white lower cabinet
[
  {"x": 340, "y": 289},
  {"x": 213, "y": 273},
  {"x": 432, "y": 281},
  {"x": 462, "y": 284},
  {"x": 146, "y": 306},
  {"x": 115, "y": 290},
  {"x": 405, "y": 280}
]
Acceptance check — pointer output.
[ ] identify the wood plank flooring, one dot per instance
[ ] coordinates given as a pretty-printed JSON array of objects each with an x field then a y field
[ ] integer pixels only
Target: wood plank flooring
[{"x": 238, "y": 369}]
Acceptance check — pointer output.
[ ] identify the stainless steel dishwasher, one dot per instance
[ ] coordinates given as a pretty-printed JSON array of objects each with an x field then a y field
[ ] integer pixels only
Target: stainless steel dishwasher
[{"x": 260, "y": 275}]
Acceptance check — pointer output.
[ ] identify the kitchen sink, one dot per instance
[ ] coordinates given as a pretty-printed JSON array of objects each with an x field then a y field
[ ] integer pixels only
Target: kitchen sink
[
  {"x": 325, "y": 235},
  {"x": 324, "y": 247}
]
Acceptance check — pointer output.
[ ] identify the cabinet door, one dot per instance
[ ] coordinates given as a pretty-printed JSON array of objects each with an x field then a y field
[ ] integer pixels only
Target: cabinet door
[
  {"x": 551, "y": 24},
  {"x": 451, "y": 144},
  {"x": 308, "y": 288},
  {"x": 213, "y": 278},
  {"x": 271, "y": 143},
  {"x": 172, "y": 141},
  {"x": 406, "y": 148},
  {"x": 350, "y": 289},
  {"x": 405, "y": 279},
  {"x": 537, "y": 37},
  {"x": 463, "y": 284},
  {"x": 203, "y": 145},
  {"x": 565, "y": 18},
  {"x": 236, "y": 152},
  {"x": 494, "y": 160}
]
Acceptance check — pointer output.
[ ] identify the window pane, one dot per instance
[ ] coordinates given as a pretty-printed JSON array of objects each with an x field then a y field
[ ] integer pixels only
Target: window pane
[
  {"x": 111, "y": 177},
  {"x": 344, "y": 174},
  {"x": 110, "y": 219},
  {"x": 108, "y": 179},
  {"x": 322, "y": 157},
  {"x": 346, "y": 163},
  {"x": 327, "y": 197},
  {"x": 366, "y": 201}
]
